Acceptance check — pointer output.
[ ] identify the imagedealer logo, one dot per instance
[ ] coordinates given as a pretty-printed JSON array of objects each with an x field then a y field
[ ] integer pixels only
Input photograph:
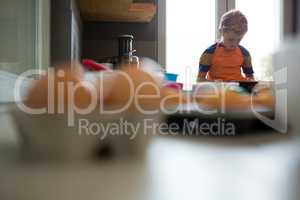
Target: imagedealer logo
[
  {"x": 209, "y": 90},
  {"x": 279, "y": 123}
]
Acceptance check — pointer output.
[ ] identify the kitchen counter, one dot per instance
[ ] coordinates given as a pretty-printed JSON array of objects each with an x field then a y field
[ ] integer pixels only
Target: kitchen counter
[{"x": 264, "y": 166}]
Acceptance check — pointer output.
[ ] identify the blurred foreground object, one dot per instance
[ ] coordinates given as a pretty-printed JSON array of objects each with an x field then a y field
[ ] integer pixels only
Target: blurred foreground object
[
  {"x": 63, "y": 131},
  {"x": 287, "y": 82}
]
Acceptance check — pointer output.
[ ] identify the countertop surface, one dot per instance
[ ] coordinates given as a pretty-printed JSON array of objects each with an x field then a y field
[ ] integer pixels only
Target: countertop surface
[{"x": 264, "y": 166}]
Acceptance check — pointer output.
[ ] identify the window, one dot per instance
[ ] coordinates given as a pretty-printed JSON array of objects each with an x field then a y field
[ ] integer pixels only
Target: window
[
  {"x": 24, "y": 39},
  {"x": 191, "y": 28},
  {"x": 263, "y": 37},
  {"x": 23, "y": 35}
]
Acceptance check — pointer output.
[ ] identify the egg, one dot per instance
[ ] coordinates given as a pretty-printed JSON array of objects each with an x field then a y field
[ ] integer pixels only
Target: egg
[
  {"x": 171, "y": 97},
  {"x": 225, "y": 100},
  {"x": 134, "y": 87},
  {"x": 264, "y": 98},
  {"x": 59, "y": 88}
]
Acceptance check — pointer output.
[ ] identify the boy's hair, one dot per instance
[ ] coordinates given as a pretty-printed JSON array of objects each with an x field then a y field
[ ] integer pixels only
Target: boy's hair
[{"x": 235, "y": 21}]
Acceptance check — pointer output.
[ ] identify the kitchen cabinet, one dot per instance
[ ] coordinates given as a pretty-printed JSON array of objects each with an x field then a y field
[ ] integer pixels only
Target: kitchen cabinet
[{"x": 117, "y": 11}]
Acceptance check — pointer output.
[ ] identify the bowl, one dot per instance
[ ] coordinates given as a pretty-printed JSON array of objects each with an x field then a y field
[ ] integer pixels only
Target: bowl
[
  {"x": 175, "y": 86},
  {"x": 49, "y": 138},
  {"x": 171, "y": 77}
]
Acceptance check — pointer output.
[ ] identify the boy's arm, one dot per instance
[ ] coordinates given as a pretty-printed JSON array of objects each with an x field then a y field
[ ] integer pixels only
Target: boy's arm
[
  {"x": 202, "y": 76},
  {"x": 247, "y": 65},
  {"x": 250, "y": 77},
  {"x": 248, "y": 70},
  {"x": 204, "y": 65}
]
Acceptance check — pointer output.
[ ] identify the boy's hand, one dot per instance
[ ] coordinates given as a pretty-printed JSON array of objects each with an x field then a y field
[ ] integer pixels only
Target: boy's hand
[
  {"x": 202, "y": 80},
  {"x": 250, "y": 78},
  {"x": 202, "y": 77}
]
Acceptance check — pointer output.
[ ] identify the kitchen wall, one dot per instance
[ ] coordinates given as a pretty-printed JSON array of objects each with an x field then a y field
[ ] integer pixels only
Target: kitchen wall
[
  {"x": 291, "y": 17},
  {"x": 100, "y": 38},
  {"x": 66, "y": 28},
  {"x": 297, "y": 16},
  {"x": 17, "y": 35}
]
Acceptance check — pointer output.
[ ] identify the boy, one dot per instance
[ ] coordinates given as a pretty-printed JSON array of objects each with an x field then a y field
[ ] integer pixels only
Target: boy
[{"x": 223, "y": 61}]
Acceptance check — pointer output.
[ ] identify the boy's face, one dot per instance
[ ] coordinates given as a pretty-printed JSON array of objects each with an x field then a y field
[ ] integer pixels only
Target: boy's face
[{"x": 231, "y": 40}]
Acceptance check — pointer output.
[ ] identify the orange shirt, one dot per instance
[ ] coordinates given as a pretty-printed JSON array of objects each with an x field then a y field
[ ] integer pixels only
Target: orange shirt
[{"x": 225, "y": 65}]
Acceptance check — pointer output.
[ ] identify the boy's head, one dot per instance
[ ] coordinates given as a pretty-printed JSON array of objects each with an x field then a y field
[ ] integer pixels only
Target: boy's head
[{"x": 233, "y": 26}]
